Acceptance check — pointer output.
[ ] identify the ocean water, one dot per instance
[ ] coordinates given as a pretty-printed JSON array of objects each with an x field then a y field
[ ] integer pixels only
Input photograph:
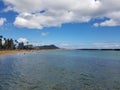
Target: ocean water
[{"x": 61, "y": 70}]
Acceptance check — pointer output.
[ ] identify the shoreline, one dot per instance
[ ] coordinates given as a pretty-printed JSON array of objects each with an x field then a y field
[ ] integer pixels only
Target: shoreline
[{"x": 10, "y": 52}]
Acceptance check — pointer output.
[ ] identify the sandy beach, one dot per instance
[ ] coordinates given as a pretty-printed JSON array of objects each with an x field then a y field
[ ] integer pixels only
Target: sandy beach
[{"x": 8, "y": 52}]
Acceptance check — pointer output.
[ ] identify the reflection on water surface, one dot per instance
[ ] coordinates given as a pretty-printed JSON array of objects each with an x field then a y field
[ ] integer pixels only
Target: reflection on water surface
[{"x": 61, "y": 70}]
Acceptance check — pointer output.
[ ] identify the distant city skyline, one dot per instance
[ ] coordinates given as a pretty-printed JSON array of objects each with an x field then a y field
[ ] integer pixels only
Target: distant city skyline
[{"x": 65, "y": 23}]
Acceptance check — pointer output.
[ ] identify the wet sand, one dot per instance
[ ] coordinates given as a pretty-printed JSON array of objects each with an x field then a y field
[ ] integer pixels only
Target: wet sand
[{"x": 8, "y": 52}]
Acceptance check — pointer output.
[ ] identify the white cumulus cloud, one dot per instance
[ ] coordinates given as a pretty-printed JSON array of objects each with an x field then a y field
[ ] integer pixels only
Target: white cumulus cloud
[
  {"x": 2, "y": 21},
  {"x": 24, "y": 40},
  {"x": 38, "y": 14}
]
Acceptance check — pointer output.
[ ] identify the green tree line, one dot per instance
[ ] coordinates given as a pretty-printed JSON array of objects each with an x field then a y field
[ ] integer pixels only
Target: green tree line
[{"x": 6, "y": 43}]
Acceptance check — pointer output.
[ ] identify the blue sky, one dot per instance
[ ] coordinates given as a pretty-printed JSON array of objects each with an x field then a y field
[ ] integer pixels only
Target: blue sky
[{"x": 91, "y": 24}]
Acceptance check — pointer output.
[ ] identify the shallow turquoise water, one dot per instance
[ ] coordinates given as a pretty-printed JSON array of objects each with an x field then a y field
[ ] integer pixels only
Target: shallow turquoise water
[{"x": 61, "y": 70}]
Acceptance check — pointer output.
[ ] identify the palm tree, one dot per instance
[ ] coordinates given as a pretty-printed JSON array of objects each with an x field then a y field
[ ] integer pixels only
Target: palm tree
[
  {"x": 1, "y": 41},
  {"x": 27, "y": 44},
  {"x": 16, "y": 43},
  {"x": 11, "y": 43},
  {"x": 1, "y": 36}
]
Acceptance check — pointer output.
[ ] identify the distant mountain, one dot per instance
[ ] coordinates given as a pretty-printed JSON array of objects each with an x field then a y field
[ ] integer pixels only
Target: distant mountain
[{"x": 48, "y": 47}]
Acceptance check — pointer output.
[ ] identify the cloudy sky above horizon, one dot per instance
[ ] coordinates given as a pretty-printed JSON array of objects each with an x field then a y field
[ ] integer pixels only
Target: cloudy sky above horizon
[{"x": 66, "y": 23}]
